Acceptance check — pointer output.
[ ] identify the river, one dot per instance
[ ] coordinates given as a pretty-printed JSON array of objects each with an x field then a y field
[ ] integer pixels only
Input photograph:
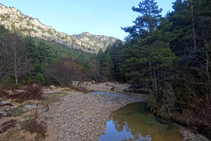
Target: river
[{"x": 135, "y": 123}]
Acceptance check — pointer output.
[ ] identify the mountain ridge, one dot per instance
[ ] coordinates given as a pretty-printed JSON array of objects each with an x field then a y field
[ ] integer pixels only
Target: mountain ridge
[{"x": 12, "y": 18}]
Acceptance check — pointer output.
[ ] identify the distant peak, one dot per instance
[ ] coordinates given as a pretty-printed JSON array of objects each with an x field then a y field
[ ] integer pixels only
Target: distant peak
[{"x": 87, "y": 33}]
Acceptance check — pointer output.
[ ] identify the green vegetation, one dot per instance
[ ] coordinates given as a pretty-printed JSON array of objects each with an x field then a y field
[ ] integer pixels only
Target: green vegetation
[
  {"x": 28, "y": 23},
  {"x": 17, "y": 111},
  {"x": 10, "y": 135},
  {"x": 169, "y": 57},
  {"x": 3, "y": 17},
  {"x": 50, "y": 31},
  {"x": 37, "y": 56}
]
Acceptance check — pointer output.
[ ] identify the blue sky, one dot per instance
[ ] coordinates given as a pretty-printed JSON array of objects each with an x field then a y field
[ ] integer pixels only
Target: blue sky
[{"x": 99, "y": 17}]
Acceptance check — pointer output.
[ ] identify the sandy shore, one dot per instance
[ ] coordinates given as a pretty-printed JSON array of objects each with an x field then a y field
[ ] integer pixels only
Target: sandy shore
[{"x": 83, "y": 117}]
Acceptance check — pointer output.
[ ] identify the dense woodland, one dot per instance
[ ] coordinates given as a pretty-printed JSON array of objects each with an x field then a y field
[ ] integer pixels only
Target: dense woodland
[{"x": 168, "y": 57}]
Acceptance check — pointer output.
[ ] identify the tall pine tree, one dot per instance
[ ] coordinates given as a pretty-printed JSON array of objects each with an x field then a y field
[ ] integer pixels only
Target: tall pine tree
[{"x": 149, "y": 52}]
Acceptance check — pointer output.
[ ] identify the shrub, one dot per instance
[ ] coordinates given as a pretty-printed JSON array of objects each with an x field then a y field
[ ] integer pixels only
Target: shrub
[
  {"x": 33, "y": 126},
  {"x": 66, "y": 71},
  {"x": 31, "y": 91}
]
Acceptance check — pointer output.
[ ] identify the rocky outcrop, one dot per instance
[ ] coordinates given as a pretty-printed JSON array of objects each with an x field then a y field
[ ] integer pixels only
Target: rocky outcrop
[
  {"x": 95, "y": 42},
  {"x": 12, "y": 18},
  {"x": 188, "y": 135}
]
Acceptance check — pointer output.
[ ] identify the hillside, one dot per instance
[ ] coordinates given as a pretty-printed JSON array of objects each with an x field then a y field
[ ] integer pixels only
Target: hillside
[
  {"x": 11, "y": 18},
  {"x": 94, "y": 41}
]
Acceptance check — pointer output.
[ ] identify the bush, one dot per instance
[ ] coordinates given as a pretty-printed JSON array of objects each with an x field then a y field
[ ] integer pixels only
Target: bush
[
  {"x": 9, "y": 83},
  {"x": 33, "y": 126},
  {"x": 30, "y": 92},
  {"x": 66, "y": 71}
]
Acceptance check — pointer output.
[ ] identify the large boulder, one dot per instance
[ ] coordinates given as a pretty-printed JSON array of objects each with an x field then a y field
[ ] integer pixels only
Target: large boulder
[
  {"x": 88, "y": 83},
  {"x": 52, "y": 87},
  {"x": 75, "y": 83},
  {"x": 83, "y": 84},
  {"x": 93, "y": 82}
]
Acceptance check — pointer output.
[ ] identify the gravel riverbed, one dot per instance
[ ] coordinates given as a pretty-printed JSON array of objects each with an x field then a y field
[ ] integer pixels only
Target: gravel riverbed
[{"x": 83, "y": 117}]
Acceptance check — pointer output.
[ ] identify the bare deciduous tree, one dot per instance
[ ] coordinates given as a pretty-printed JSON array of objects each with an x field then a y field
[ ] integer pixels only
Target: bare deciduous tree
[
  {"x": 14, "y": 57},
  {"x": 95, "y": 70},
  {"x": 66, "y": 71}
]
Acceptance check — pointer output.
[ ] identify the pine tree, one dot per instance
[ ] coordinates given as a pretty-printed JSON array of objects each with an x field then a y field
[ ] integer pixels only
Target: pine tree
[
  {"x": 107, "y": 68},
  {"x": 115, "y": 52},
  {"x": 183, "y": 28},
  {"x": 149, "y": 52}
]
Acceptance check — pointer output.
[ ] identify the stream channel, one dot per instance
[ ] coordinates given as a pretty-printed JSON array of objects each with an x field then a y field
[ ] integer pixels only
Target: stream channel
[{"x": 134, "y": 122}]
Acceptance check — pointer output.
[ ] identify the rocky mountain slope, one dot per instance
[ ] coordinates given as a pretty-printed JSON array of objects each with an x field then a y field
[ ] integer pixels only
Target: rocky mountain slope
[
  {"x": 11, "y": 18},
  {"x": 94, "y": 41}
]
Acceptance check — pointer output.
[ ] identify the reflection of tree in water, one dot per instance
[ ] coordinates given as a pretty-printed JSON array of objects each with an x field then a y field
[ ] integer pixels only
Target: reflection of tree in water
[
  {"x": 119, "y": 125},
  {"x": 125, "y": 121},
  {"x": 138, "y": 122},
  {"x": 147, "y": 138}
]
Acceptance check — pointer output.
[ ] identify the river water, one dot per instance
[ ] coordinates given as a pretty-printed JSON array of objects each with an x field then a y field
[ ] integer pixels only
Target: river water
[{"x": 135, "y": 123}]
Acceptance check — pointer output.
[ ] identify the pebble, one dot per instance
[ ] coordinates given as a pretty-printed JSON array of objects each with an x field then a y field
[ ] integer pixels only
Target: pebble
[{"x": 81, "y": 116}]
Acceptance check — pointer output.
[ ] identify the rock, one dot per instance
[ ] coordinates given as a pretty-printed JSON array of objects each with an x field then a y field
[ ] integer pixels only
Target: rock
[
  {"x": 83, "y": 84},
  {"x": 75, "y": 83},
  {"x": 2, "y": 112},
  {"x": 88, "y": 84},
  {"x": 4, "y": 102},
  {"x": 52, "y": 87},
  {"x": 113, "y": 89},
  {"x": 188, "y": 135},
  {"x": 31, "y": 106},
  {"x": 21, "y": 91},
  {"x": 11, "y": 93},
  {"x": 110, "y": 84},
  {"x": 51, "y": 91},
  {"x": 93, "y": 82},
  {"x": 45, "y": 91},
  {"x": 13, "y": 107}
]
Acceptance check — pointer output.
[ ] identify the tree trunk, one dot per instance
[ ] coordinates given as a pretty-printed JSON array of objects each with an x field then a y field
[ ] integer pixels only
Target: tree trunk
[
  {"x": 155, "y": 85},
  {"x": 193, "y": 27},
  {"x": 15, "y": 67},
  {"x": 155, "y": 81},
  {"x": 207, "y": 72},
  {"x": 152, "y": 76}
]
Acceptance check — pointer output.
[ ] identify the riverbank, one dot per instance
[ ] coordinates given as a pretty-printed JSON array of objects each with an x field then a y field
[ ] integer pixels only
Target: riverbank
[
  {"x": 80, "y": 116},
  {"x": 72, "y": 115},
  {"x": 195, "y": 130}
]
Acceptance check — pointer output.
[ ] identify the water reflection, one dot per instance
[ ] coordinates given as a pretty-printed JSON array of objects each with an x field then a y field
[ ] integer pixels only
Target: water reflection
[{"x": 134, "y": 123}]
